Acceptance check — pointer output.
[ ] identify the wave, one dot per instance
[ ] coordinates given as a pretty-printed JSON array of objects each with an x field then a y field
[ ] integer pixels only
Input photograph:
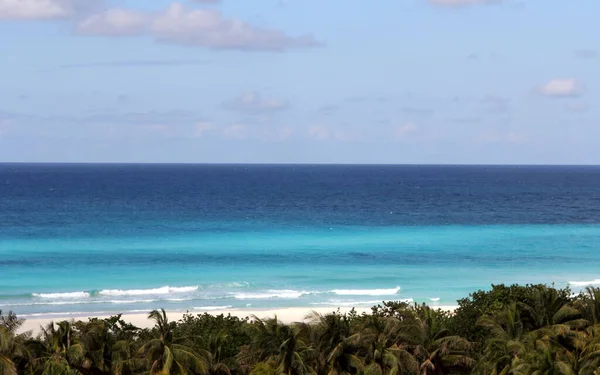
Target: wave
[
  {"x": 211, "y": 308},
  {"x": 435, "y": 299},
  {"x": 62, "y": 295},
  {"x": 286, "y": 294},
  {"x": 366, "y": 292},
  {"x": 585, "y": 283},
  {"x": 346, "y": 303},
  {"x": 142, "y": 292}
]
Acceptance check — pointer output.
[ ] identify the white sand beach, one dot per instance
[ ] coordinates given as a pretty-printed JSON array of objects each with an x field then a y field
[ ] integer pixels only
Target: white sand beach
[{"x": 285, "y": 315}]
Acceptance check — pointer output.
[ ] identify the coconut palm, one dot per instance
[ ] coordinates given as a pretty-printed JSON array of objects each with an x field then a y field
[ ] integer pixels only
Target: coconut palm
[
  {"x": 12, "y": 348},
  {"x": 213, "y": 354},
  {"x": 58, "y": 351},
  {"x": 282, "y": 344},
  {"x": 589, "y": 305},
  {"x": 432, "y": 344},
  {"x": 337, "y": 346},
  {"x": 107, "y": 348},
  {"x": 547, "y": 307},
  {"x": 385, "y": 354},
  {"x": 505, "y": 340},
  {"x": 166, "y": 355}
]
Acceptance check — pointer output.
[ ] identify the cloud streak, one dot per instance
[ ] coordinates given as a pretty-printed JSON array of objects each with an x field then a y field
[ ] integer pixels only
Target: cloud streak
[
  {"x": 462, "y": 3},
  {"x": 181, "y": 25},
  {"x": 137, "y": 63},
  {"x": 253, "y": 103}
]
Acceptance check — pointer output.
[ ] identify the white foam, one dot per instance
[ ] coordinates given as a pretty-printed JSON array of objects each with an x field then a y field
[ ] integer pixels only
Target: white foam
[
  {"x": 123, "y": 302},
  {"x": 366, "y": 292},
  {"x": 143, "y": 292},
  {"x": 211, "y": 308},
  {"x": 346, "y": 303},
  {"x": 435, "y": 299},
  {"x": 62, "y": 295},
  {"x": 585, "y": 283},
  {"x": 286, "y": 294},
  {"x": 239, "y": 284}
]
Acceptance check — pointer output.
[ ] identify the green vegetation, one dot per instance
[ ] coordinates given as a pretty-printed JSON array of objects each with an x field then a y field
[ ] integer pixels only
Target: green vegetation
[{"x": 533, "y": 329}]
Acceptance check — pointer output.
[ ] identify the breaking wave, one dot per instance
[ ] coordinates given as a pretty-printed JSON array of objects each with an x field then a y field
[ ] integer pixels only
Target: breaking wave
[
  {"x": 284, "y": 294},
  {"x": 366, "y": 292},
  {"x": 585, "y": 283},
  {"x": 62, "y": 295},
  {"x": 145, "y": 292}
]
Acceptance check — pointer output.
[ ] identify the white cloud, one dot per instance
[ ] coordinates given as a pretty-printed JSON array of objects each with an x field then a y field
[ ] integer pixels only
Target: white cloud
[
  {"x": 114, "y": 22},
  {"x": 496, "y": 137},
  {"x": 587, "y": 53},
  {"x": 460, "y": 3},
  {"x": 4, "y": 127},
  {"x": 153, "y": 129},
  {"x": 235, "y": 131},
  {"x": 404, "y": 130},
  {"x": 202, "y": 128},
  {"x": 207, "y": 28},
  {"x": 561, "y": 88},
  {"x": 348, "y": 135},
  {"x": 192, "y": 27},
  {"x": 578, "y": 107},
  {"x": 318, "y": 132},
  {"x": 38, "y": 9},
  {"x": 253, "y": 103},
  {"x": 285, "y": 133}
]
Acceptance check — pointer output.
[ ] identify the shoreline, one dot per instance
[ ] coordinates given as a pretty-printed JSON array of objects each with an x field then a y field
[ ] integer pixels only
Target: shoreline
[{"x": 286, "y": 315}]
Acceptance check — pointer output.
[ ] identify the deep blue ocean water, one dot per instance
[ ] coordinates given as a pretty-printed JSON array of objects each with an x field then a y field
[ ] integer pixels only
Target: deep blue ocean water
[{"x": 117, "y": 238}]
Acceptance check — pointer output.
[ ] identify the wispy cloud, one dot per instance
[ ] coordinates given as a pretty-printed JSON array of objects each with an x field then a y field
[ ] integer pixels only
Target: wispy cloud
[
  {"x": 328, "y": 109},
  {"x": 499, "y": 137},
  {"x": 137, "y": 63},
  {"x": 462, "y": 3},
  {"x": 254, "y": 103},
  {"x": 417, "y": 110},
  {"x": 577, "y": 107},
  {"x": 496, "y": 104},
  {"x": 44, "y": 9},
  {"x": 181, "y": 25},
  {"x": 586, "y": 53}
]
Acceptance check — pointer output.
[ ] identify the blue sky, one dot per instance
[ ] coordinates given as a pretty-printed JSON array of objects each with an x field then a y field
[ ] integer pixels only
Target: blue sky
[{"x": 300, "y": 81}]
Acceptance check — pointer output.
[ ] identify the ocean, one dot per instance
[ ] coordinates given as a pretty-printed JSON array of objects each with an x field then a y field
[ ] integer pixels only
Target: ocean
[{"x": 108, "y": 238}]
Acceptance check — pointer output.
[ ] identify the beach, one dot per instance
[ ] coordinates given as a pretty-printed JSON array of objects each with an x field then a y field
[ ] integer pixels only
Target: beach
[{"x": 284, "y": 315}]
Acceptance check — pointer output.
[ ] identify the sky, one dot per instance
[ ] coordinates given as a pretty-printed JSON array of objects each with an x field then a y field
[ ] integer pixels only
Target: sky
[{"x": 300, "y": 81}]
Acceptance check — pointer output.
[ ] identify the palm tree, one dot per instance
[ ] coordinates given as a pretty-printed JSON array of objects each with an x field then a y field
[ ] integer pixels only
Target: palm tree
[
  {"x": 166, "y": 355},
  {"x": 337, "y": 346},
  {"x": 58, "y": 350},
  {"x": 107, "y": 345},
  {"x": 385, "y": 355},
  {"x": 213, "y": 354},
  {"x": 589, "y": 305},
  {"x": 11, "y": 344},
  {"x": 547, "y": 306},
  {"x": 432, "y": 345},
  {"x": 505, "y": 343},
  {"x": 283, "y": 344}
]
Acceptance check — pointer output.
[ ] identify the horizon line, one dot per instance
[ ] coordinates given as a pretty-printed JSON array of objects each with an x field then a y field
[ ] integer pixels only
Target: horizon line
[{"x": 295, "y": 164}]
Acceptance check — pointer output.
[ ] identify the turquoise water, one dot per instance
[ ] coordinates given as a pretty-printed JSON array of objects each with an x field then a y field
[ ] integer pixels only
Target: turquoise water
[{"x": 84, "y": 240}]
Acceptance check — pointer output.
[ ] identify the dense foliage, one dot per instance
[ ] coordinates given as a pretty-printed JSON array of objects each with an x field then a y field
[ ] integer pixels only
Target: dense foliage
[{"x": 533, "y": 329}]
